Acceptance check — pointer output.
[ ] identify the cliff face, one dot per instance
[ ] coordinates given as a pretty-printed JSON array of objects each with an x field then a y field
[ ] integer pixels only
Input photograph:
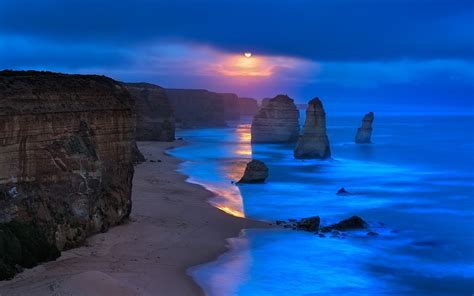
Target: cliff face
[
  {"x": 314, "y": 142},
  {"x": 276, "y": 122},
  {"x": 66, "y": 170},
  {"x": 197, "y": 108},
  {"x": 155, "y": 116},
  {"x": 364, "y": 133},
  {"x": 202, "y": 108},
  {"x": 248, "y": 106}
]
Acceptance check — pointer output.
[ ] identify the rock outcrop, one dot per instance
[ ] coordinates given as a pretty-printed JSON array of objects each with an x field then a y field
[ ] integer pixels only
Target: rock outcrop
[
  {"x": 248, "y": 106},
  {"x": 66, "y": 164},
  {"x": 352, "y": 223},
  {"x": 276, "y": 122},
  {"x": 309, "y": 224},
  {"x": 314, "y": 143},
  {"x": 155, "y": 116},
  {"x": 364, "y": 132},
  {"x": 255, "y": 172}
]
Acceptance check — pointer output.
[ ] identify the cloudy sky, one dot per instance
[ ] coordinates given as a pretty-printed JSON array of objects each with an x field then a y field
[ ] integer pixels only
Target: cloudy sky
[{"x": 386, "y": 55}]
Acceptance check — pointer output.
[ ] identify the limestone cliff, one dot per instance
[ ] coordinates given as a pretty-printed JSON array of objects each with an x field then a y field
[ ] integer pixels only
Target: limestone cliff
[
  {"x": 277, "y": 121},
  {"x": 364, "y": 132},
  {"x": 66, "y": 170},
  {"x": 248, "y": 106},
  {"x": 197, "y": 108},
  {"x": 314, "y": 142},
  {"x": 155, "y": 116}
]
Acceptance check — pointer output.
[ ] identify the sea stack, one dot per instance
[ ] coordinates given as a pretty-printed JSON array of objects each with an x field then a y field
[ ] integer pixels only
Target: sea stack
[
  {"x": 364, "y": 132},
  {"x": 314, "y": 143},
  {"x": 276, "y": 122},
  {"x": 255, "y": 172}
]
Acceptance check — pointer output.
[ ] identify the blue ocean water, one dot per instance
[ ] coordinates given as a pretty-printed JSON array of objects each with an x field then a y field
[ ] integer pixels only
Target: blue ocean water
[{"x": 414, "y": 186}]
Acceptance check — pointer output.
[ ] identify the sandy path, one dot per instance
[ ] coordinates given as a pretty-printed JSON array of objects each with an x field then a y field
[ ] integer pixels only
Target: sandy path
[{"x": 172, "y": 228}]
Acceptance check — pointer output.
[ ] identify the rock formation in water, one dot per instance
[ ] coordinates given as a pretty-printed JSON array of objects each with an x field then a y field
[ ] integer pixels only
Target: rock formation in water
[
  {"x": 364, "y": 132},
  {"x": 314, "y": 142},
  {"x": 155, "y": 116},
  {"x": 352, "y": 223},
  {"x": 309, "y": 224},
  {"x": 276, "y": 122},
  {"x": 201, "y": 108},
  {"x": 255, "y": 172},
  {"x": 248, "y": 106},
  {"x": 66, "y": 163},
  {"x": 343, "y": 191}
]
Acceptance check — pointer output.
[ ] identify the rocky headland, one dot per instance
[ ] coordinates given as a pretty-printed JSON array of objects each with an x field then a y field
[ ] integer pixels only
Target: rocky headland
[
  {"x": 364, "y": 132},
  {"x": 314, "y": 143},
  {"x": 248, "y": 106},
  {"x": 66, "y": 162},
  {"x": 155, "y": 116},
  {"x": 277, "y": 121}
]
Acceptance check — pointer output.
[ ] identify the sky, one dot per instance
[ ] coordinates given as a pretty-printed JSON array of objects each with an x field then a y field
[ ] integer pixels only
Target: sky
[{"x": 400, "y": 56}]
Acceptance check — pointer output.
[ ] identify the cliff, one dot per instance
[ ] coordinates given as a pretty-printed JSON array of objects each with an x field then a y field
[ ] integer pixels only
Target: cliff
[
  {"x": 202, "y": 108},
  {"x": 65, "y": 162},
  {"x": 364, "y": 132},
  {"x": 248, "y": 106},
  {"x": 314, "y": 142},
  {"x": 155, "y": 116},
  {"x": 276, "y": 122}
]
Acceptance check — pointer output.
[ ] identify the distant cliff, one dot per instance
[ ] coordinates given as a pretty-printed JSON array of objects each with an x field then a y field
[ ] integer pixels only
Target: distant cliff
[
  {"x": 65, "y": 162},
  {"x": 155, "y": 116},
  {"x": 202, "y": 108},
  {"x": 248, "y": 106}
]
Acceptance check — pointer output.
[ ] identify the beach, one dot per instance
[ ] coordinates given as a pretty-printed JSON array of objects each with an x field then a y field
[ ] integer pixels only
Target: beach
[{"x": 172, "y": 228}]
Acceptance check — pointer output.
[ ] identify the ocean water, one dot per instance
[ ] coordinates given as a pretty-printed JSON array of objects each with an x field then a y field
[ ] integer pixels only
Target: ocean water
[{"x": 414, "y": 186}]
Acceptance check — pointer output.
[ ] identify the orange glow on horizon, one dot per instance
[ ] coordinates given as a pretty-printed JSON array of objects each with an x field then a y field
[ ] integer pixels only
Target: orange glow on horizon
[{"x": 245, "y": 66}]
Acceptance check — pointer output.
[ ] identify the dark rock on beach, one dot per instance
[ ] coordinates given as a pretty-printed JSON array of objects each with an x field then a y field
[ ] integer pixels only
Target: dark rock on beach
[{"x": 255, "y": 172}]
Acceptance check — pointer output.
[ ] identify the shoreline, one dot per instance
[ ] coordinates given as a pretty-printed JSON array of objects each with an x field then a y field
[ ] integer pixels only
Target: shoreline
[{"x": 172, "y": 228}]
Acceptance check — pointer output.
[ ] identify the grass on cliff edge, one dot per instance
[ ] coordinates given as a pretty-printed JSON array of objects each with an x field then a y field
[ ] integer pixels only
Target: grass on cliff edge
[{"x": 23, "y": 245}]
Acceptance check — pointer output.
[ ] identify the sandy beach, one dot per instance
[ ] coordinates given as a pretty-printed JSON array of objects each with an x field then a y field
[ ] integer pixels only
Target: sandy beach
[{"x": 172, "y": 227}]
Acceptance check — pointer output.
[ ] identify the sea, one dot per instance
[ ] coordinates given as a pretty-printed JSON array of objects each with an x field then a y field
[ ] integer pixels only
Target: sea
[{"x": 414, "y": 185}]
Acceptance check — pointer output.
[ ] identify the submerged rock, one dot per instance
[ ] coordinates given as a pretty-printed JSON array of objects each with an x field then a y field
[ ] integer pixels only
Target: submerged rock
[
  {"x": 314, "y": 143},
  {"x": 343, "y": 191},
  {"x": 276, "y": 122},
  {"x": 364, "y": 132},
  {"x": 255, "y": 172},
  {"x": 309, "y": 224},
  {"x": 352, "y": 223}
]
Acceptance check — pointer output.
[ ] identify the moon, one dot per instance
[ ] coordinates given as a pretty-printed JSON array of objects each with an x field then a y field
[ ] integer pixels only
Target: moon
[{"x": 248, "y": 54}]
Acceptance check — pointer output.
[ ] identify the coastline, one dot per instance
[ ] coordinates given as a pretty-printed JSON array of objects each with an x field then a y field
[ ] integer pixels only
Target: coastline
[{"x": 172, "y": 227}]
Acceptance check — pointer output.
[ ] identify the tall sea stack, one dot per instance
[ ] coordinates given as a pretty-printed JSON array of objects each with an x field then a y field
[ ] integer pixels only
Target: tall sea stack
[
  {"x": 276, "y": 122},
  {"x": 364, "y": 132},
  {"x": 66, "y": 164},
  {"x": 314, "y": 142}
]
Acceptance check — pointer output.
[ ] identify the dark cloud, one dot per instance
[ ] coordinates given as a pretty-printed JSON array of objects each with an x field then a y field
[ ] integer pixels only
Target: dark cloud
[{"x": 316, "y": 29}]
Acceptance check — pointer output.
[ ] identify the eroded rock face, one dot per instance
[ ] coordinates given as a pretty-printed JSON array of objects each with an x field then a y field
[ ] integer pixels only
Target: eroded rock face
[
  {"x": 255, "y": 172},
  {"x": 66, "y": 152},
  {"x": 364, "y": 132},
  {"x": 155, "y": 116},
  {"x": 314, "y": 143},
  {"x": 277, "y": 121}
]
